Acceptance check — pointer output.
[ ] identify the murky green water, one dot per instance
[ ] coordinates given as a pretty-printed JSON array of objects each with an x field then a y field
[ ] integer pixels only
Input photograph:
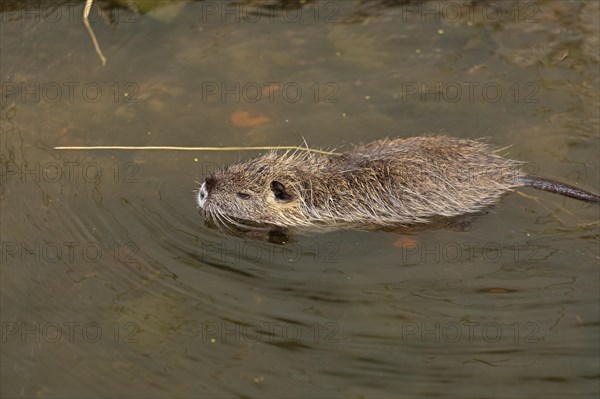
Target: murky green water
[{"x": 112, "y": 286}]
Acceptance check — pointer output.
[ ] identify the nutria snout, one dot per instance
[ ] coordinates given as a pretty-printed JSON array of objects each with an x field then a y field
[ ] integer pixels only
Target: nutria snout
[{"x": 388, "y": 182}]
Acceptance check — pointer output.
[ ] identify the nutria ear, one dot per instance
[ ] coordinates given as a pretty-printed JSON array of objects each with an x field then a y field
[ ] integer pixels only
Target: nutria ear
[{"x": 279, "y": 191}]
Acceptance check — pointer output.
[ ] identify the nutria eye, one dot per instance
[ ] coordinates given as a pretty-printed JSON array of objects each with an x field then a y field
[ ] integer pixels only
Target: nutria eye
[
  {"x": 243, "y": 195},
  {"x": 210, "y": 182}
]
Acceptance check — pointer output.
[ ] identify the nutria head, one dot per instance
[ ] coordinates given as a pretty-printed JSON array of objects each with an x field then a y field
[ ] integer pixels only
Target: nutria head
[{"x": 263, "y": 190}]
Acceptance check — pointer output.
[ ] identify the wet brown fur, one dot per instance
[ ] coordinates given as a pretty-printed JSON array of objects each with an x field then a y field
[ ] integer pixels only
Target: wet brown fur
[{"x": 388, "y": 182}]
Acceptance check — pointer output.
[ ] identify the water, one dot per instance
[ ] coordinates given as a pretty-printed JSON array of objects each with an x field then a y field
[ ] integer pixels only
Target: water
[{"x": 112, "y": 286}]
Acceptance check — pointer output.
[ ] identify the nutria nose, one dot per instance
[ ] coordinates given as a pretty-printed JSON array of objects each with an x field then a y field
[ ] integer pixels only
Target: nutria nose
[{"x": 202, "y": 195}]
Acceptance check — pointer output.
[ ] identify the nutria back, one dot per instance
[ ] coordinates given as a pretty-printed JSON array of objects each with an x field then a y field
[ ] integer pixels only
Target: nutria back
[{"x": 387, "y": 182}]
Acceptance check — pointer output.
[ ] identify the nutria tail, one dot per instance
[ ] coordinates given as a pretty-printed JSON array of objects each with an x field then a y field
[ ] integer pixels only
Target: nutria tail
[{"x": 554, "y": 186}]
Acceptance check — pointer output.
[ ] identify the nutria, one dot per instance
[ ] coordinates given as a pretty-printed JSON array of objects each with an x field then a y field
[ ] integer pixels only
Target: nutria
[{"x": 390, "y": 182}]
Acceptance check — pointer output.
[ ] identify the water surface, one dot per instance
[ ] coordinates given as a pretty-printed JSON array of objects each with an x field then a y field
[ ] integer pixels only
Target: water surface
[{"x": 112, "y": 285}]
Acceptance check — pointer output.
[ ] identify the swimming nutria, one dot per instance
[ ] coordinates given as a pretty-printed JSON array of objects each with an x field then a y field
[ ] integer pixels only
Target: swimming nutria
[{"x": 388, "y": 182}]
